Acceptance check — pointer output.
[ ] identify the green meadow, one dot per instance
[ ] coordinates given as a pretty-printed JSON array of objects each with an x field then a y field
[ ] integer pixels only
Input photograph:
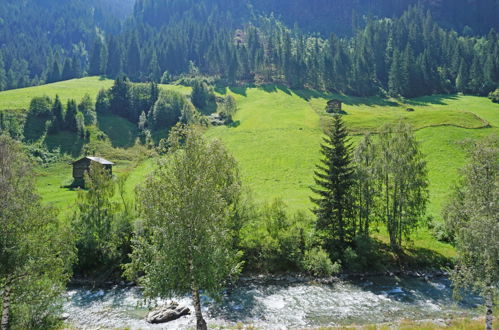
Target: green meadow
[
  {"x": 276, "y": 139},
  {"x": 70, "y": 89}
]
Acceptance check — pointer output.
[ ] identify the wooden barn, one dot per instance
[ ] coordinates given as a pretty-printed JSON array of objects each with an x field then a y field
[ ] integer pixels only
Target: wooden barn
[
  {"x": 334, "y": 106},
  {"x": 83, "y": 165}
]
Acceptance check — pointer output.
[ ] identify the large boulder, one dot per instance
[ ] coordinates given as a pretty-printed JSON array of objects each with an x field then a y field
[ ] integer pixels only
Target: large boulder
[{"x": 168, "y": 313}]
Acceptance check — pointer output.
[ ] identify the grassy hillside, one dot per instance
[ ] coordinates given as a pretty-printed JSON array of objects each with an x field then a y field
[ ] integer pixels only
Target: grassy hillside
[
  {"x": 70, "y": 89},
  {"x": 278, "y": 135},
  {"x": 276, "y": 138}
]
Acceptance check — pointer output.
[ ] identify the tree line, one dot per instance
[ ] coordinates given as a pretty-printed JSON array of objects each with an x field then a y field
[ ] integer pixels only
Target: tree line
[{"x": 406, "y": 56}]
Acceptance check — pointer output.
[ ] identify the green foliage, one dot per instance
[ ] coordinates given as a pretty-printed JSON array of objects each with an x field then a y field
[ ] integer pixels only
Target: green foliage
[
  {"x": 119, "y": 97},
  {"x": 102, "y": 224},
  {"x": 202, "y": 94},
  {"x": 40, "y": 112},
  {"x": 403, "y": 182},
  {"x": 229, "y": 109},
  {"x": 184, "y": 242},
  {"x": 102, "y": 104},
  {"x": 335, "y": 180},
  {"x": 40, "y": 155},
  {"x": 169, "y": 109},
  {"x": 316, "y": 262},
  {"x": 58, "y": 113},
  {"x": 166, "y": 78},
  {"x": 275, "y": 241},
  {"x": 36, "y": 250},
  {"x": 472, "y": 215},
  {"x": 87, "y": 108},
  {"x": 365, "y": 190},
  {"x": 70, "y": 117},
  {"x": 494, "y": 96}
]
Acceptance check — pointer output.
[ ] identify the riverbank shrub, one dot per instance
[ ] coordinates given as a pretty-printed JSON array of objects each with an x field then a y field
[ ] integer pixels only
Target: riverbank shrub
[
  {"x": 317, "y": 262},
  {"x": 275, "y": 240}
]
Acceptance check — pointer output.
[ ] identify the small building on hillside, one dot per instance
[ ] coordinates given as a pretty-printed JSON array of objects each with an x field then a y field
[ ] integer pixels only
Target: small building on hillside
[
  {"x": 334, "y": 106},
  {"x": 83, "y": 165}
]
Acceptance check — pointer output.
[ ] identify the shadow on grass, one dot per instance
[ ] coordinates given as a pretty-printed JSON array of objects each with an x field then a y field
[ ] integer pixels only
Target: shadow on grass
[
  {"x": 121, "y": 132},
  {"x": 372, "y": 254},
  {"x": 422, "y": 258},
  {"x": 210, "y": 108},
  {"x": 239, "y": 90},
  {"x": 221, "y": 89},
  {"x": 307, "y": 95},
  {"x": 234, "y": 124},
  {"x": 438, "y": 99},
  {"x": 35, "y": 128},
  {"x": 66, "y": 142}
]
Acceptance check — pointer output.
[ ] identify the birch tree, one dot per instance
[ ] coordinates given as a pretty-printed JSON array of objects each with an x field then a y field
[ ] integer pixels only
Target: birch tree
[
  {"x": 184, "y": 242},
  {"x": 403, "y": 182},
  {"x": 35, "y": 249},
  {"x": 472, "y": 215}
]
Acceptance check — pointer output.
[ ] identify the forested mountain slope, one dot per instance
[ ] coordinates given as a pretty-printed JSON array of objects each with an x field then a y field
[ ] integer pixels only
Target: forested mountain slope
[
  {"x": 33, "y": 32},
  {"x": 375, "y": 47}
]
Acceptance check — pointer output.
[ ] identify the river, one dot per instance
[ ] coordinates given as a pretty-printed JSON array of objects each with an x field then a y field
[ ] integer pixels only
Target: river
[{"x": 282, "y": 303}]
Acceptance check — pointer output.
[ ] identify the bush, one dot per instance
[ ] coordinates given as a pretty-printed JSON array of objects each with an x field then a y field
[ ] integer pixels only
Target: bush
[
  {"x": 363, "y": 256},
  {"x": 102, "y": 104},
  {"x": 316, "y": 262},
  {"x": 494, "y": 96},
  {"x": 169, "y": 109},
  {"x": 440, "y": 231},
  {"x": 275, "y": 241}
]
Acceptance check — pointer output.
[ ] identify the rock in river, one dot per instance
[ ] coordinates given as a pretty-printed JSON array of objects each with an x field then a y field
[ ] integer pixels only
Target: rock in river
[{"x": 168, "y": 313}]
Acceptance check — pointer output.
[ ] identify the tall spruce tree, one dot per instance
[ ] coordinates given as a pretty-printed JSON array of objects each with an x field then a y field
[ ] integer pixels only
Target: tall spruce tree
[
  {"x": 133, "y": 59},
  {"x": 54, "y": 74},
  {"x": 70, "y": 118},
  {"x": 97, "y": 58},
  {"x": 120, "y": 97},
  {"x": 58, "y": 113},
  {"x": 114, "y": 57},
  {"x": 335, "y": 180},
  {"x": 67, "y": 70},
  {"x": 3, "y": 74}
]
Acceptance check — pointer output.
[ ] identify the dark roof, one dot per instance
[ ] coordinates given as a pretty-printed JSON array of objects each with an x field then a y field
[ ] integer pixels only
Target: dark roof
[
  {"x": 99, "y": 160},
  {"x": 334, "y": 101}
]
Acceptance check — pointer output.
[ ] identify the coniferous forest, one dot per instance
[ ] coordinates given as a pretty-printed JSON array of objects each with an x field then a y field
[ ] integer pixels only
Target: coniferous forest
[{"x": 397, "y": 48}]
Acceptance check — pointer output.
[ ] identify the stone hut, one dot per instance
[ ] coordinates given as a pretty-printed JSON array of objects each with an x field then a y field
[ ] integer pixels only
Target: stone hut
[
  {"x": 83, "y": 165},
  {"x": 334, "y": 106}
]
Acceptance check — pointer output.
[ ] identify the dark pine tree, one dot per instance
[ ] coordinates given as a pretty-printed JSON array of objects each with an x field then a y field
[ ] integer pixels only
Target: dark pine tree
[
  {"x": 154, "y": 69},
  {"x": 335, "y": 179},
  {"x": 70, "y": 122},
  {"x": 133, "y": 58},
  {"x": 96, "y": 58},
  {"x": 3, "y": 75},
  {"x": 120, "y": 98},
  {"x": 58, "y": 113},
  {"x": 67, "y": 70},
  {"x": 55, "y": 72},
  {"x": 114, "y": 57}
]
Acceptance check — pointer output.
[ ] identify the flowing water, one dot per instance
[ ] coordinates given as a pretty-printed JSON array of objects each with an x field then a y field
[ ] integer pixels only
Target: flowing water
[{"x": 276, "y": 304}]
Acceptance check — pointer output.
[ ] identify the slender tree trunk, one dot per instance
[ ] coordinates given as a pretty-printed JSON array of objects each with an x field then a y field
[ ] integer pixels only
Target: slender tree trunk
[
  {"x": 489, "y": 303},
  {"x": 6, "y": 308},
  {"x": 200, "y": 322}
]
